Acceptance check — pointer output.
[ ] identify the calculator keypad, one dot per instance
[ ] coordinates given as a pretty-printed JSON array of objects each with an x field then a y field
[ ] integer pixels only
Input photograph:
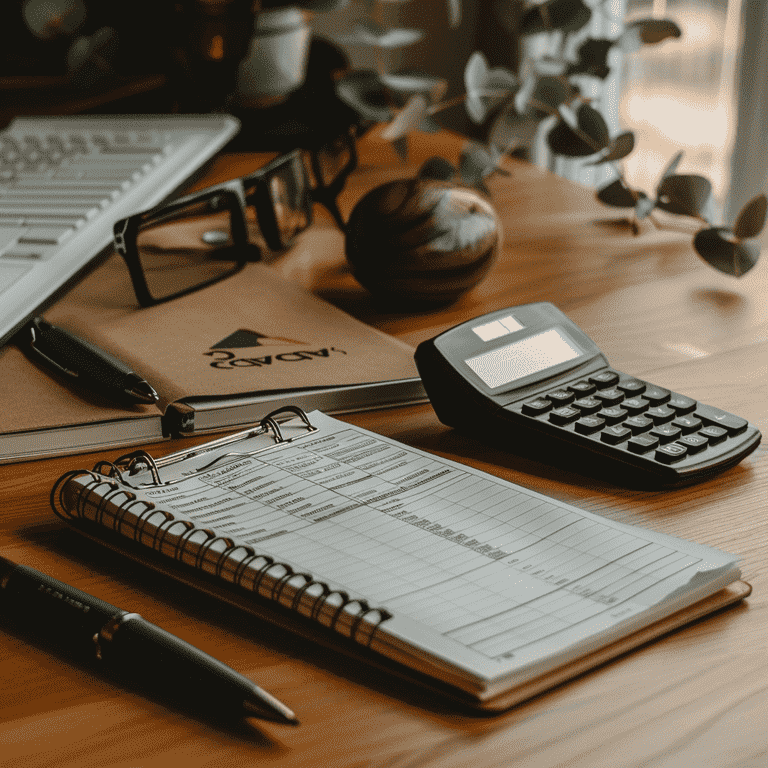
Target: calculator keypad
[{"x": 627, "y": 414}]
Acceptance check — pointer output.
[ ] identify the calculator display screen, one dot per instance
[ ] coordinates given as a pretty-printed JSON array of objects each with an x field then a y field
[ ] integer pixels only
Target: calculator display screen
[{"x": 523, "y": 358}]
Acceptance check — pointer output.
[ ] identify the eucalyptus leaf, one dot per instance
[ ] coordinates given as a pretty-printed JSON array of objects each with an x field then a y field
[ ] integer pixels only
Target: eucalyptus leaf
[
  {"x": 618, "y": 195},
  {"x": 619, "y": 148},
  {"x": 368, "y": 33},
  {"x": 684, "y": 194},
  {"x": 549, "y": 66},
  {"x": 364, "y": 91},
  {"x": 591, "y": 122},
  {"x": 644, "y": 206},
  {"x": 477, "y": 162},
  {"x": 408, "y": 119},
  {"x": 525, "y": 93},
  {"x": 415, "y": 82},
  {"x": 564, "y": 15},
  {"x": 486, "y": 88},
  {"x": 401, "y": 147},
  {"x": 563, "y": 140},
  {"x": 653, "y": 31},
  {"x": 454, "y": 13},
  {"x": 509, "y": 130},
  {"x": 592, "y": 58},
  {"x": 751, "y": 219},
  {"x": 719, "y": 248},
  {"x": 553, "y": 92},
  {"x": 437, "y": 168},
  {"x": 671, "y": 166},
  {"x": 429, "y": 125}
]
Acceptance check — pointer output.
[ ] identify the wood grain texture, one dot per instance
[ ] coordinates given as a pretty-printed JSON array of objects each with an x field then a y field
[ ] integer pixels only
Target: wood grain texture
[{"x": 696, "y": 698}]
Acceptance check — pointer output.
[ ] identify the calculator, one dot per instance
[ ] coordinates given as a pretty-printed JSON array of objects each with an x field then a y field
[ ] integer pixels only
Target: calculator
[{"x": 532, "y": 381}]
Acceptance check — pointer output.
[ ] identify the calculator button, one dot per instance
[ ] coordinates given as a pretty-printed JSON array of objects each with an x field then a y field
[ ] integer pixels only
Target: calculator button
[
  {"x": 642, "y": 443},
  {"x": 638, "y": 424},
  {"x": 560, "y": 397},
  {"x": 694, "y": 443},
  {"x": 564, "y": 415},
  {"x": 660, "y": 415},
  {"x": 635, "y": 405},
  {"x": 666, "y": 433},
  {"x": 687, "y": 424},
  {"x": 632, "y": 387},
  {"x": 714, "y": 434},
  {"x": 612, "y": 415},
  {"x": 681, "y": 404},
  {"x": 587, "y": 404},
  {"x": 588, "y": 425},
  {"x": 669, "y": 454},
  {"x": 537, "y": 406},
  {"x": 615, "y": 434},
  {"x": 716, "y": 417},
  {"x": 582, "y": 388},
  {"x": 656, "y": 395},
  {"x": 610, "y": 396},
  {"x": 604, "y": 379}
]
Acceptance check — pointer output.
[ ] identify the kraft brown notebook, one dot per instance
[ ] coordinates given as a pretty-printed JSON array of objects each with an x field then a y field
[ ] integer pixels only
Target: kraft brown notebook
[
  {"x": 471, "y": 584},
  {"x": 216, "y": 357}
]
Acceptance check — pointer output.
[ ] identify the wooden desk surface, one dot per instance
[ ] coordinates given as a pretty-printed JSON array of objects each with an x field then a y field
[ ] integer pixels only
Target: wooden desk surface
[{"x": 696, "y": 698}]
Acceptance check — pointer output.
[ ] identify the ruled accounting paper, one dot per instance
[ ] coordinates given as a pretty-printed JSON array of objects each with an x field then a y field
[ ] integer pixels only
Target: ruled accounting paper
[{"x": 488, "y": 564}]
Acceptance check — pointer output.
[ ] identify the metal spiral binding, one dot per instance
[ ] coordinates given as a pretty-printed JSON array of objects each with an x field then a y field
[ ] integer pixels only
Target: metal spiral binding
[{"x": 135, "y": 526}]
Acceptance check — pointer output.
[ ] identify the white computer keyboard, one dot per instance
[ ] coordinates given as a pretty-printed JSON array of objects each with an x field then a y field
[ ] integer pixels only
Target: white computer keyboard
[{"x": 65, "y": 181}]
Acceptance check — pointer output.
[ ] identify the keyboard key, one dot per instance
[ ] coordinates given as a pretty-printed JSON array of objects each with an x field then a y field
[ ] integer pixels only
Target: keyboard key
[
  {"x": 642, "y": 443},
  {"x": 666, "y": 433},
  {"x": 588, "y": 425},
  {"x": 615, "y": 434},
  {"x": 660, "y": 414},
  {"x": 714, "y": 434},
  {"x": 610, "y": 396},
  {"x": 632, "y": 387},
  {"x": 612, "y": 415},
  {"x": 587, "y": 405},
  {"x": 688, "y": 424},
  {"x": 638, "y": 424},
  {"x": 669, "y": 454},
  {"x": 560, "y": 397},
  {"x": 564, "y": 415},
  {"x": 46, "y": 235},
  {"x": 716, "y": 417},
  {"x": 656, "y": 395},
  {"x": 694, "y": 443},
  {"x": 681, "y": 404},
  {"x": 604, "y": 379},
  {"x": 582, "y": 388},
  {"x": 9, "y": 235},
  {"x": 537, "y": 406},
  {"x": 635, "y": 405}
]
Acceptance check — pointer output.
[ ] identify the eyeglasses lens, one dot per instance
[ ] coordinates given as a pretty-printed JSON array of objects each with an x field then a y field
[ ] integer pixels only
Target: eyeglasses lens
[
  {"x": 187, "y": 248},
  {"x": 289, "y": 196}
]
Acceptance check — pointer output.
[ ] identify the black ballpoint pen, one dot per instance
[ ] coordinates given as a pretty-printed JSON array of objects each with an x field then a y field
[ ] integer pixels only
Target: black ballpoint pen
[
  {"x": 86, "y": 363},
  {"x": 84, "y": 625}
]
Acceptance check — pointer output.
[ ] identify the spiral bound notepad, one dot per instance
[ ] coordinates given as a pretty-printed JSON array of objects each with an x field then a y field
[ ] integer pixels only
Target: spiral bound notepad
[{"x": 489, "y": 590}]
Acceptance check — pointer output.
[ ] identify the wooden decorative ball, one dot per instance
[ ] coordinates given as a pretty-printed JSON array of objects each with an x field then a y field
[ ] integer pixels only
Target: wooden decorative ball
[{"x": 421, "y": 241}]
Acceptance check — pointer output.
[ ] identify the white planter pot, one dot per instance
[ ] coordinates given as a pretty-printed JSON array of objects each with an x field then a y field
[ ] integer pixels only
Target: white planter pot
[{"x": 277, "y": 57}]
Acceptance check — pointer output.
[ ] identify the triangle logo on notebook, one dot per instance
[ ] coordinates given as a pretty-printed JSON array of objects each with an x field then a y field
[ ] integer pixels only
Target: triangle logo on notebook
[{"x": 246, "y": 338}]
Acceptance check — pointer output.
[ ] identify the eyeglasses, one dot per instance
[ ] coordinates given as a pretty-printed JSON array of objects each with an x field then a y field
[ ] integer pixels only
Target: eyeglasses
[{"x": 194, "y": 241}]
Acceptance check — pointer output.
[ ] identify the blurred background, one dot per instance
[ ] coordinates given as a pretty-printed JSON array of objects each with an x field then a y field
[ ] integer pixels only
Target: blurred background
[{"x": 274, "y": 64}]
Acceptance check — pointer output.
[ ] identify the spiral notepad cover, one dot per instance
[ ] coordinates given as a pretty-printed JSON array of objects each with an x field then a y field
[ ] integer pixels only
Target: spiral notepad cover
[
  {"x": 99, "y": 496},
  {"x": 474, "y": 570}
]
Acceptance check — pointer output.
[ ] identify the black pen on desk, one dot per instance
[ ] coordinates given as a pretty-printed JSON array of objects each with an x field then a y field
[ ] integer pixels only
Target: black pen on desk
[
  {"x": 85, "y": 625},
  {"x": 86, "y": 363}
]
